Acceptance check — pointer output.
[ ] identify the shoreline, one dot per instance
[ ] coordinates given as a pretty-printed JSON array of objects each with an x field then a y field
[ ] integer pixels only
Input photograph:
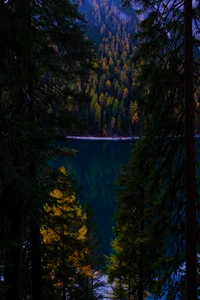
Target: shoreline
[
  {"x": 95, "y": 138},
  {"x": 108, "y": 138}
]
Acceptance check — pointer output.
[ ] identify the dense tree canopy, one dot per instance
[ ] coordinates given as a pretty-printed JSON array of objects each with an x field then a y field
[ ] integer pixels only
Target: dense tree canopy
[
  {"x": 113, "y": 108},
  {"x": 152, "y": 205},
  {"x": 43, "y": 50},
  {"x": 47, "y": 75}
]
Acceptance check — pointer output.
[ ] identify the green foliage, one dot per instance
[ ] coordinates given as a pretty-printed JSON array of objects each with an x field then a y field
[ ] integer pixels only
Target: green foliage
[
  {"x": 113, "y": 78},
  {"x": 150, "y": 222},
  {"x": 89, "y": 287},
  {"x": 64, "y": 238},
  {"x": 43, "y": 51}
]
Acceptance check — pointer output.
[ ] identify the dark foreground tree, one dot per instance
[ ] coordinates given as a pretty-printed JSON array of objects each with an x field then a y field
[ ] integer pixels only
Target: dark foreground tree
[
  {"x": 43, "y": 51},
  {"x": 190, "y": 177},
  {"x": 152, "y": 203}
]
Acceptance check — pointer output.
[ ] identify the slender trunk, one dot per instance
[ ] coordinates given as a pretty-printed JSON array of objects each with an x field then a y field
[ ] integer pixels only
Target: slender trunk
[
  {"x": 191, "y": 286},
  {"x": 35, "y": 242},
  {"x": 141, "y": 257},
  {"x": 36, "y": 260},
  {"x": 35, "y": 220},
  {"x": 15, "y": 197},
  {"x": 64, "y": 292},
  {"x": 21, "y": 57},
  {"x": 141, "y": 275},
  {"x": 129, "y": 286},
  {"x": 13, "y": 268}
]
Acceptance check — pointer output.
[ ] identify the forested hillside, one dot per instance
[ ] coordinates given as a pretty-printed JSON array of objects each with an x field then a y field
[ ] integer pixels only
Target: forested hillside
[
  {"x": 113, "y": 107},
  {"x": 48, "y": 75}
]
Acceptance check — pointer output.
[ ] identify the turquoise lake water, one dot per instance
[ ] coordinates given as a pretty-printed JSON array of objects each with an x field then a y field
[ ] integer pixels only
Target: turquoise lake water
[{"x": 95, "y": 169}]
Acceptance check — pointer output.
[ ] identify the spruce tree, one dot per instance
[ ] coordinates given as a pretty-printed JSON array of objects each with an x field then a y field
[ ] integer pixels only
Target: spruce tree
[
  {"x": 152, "y": 203},
  {"x": 46, "y": 50}
]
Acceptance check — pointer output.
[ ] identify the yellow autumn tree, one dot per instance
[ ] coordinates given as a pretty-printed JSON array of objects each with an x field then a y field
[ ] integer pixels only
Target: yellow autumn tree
[
  {"x": 133, "y": 112},
  {"x": 64, "y": 235},
  {"x": 125, "y": 93}
]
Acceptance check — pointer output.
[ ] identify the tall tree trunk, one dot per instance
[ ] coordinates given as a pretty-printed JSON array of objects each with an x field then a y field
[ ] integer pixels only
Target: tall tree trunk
[
  {"x": 35, "y": 260},
  {"x": 35, "y": 242},
  {"x": 36, "y": 272},
  {"x": 141, "y": 256},
  {"x": 15, "y": 194},
  {"x": 13, "y": 267},
  {"x": 191, "y": 286},
  {"x": 64, "y": 292},
  {"x": 21, "y": 56}
]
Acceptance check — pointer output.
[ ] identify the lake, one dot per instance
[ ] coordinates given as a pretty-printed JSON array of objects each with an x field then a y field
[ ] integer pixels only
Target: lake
[{"x": 95, "y": 168}]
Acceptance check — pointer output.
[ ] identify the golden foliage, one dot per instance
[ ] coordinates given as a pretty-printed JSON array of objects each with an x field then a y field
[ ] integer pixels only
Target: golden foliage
[
  {"x": 135, "y": 118},
  {"x": 65, "y": 231}
]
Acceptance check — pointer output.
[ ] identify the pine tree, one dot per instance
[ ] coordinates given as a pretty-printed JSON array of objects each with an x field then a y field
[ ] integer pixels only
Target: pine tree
[
  {"x": 39, "y": 67},
  {"x": 90, "y": 286},
  {"x": 152, "y": 206},
  {"x": 64, "y": 235}
]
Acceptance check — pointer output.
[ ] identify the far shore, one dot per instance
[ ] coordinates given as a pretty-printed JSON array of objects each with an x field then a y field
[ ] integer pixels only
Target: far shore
[{"x": 106, "y": 138}]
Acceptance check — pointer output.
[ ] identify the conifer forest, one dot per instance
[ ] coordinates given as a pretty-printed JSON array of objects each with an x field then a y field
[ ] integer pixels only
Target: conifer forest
[{"x": 112, "y": 69}]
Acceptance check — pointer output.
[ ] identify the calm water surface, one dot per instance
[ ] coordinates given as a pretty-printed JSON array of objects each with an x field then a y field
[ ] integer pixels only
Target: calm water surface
[{"x": 95, "y": 168}]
